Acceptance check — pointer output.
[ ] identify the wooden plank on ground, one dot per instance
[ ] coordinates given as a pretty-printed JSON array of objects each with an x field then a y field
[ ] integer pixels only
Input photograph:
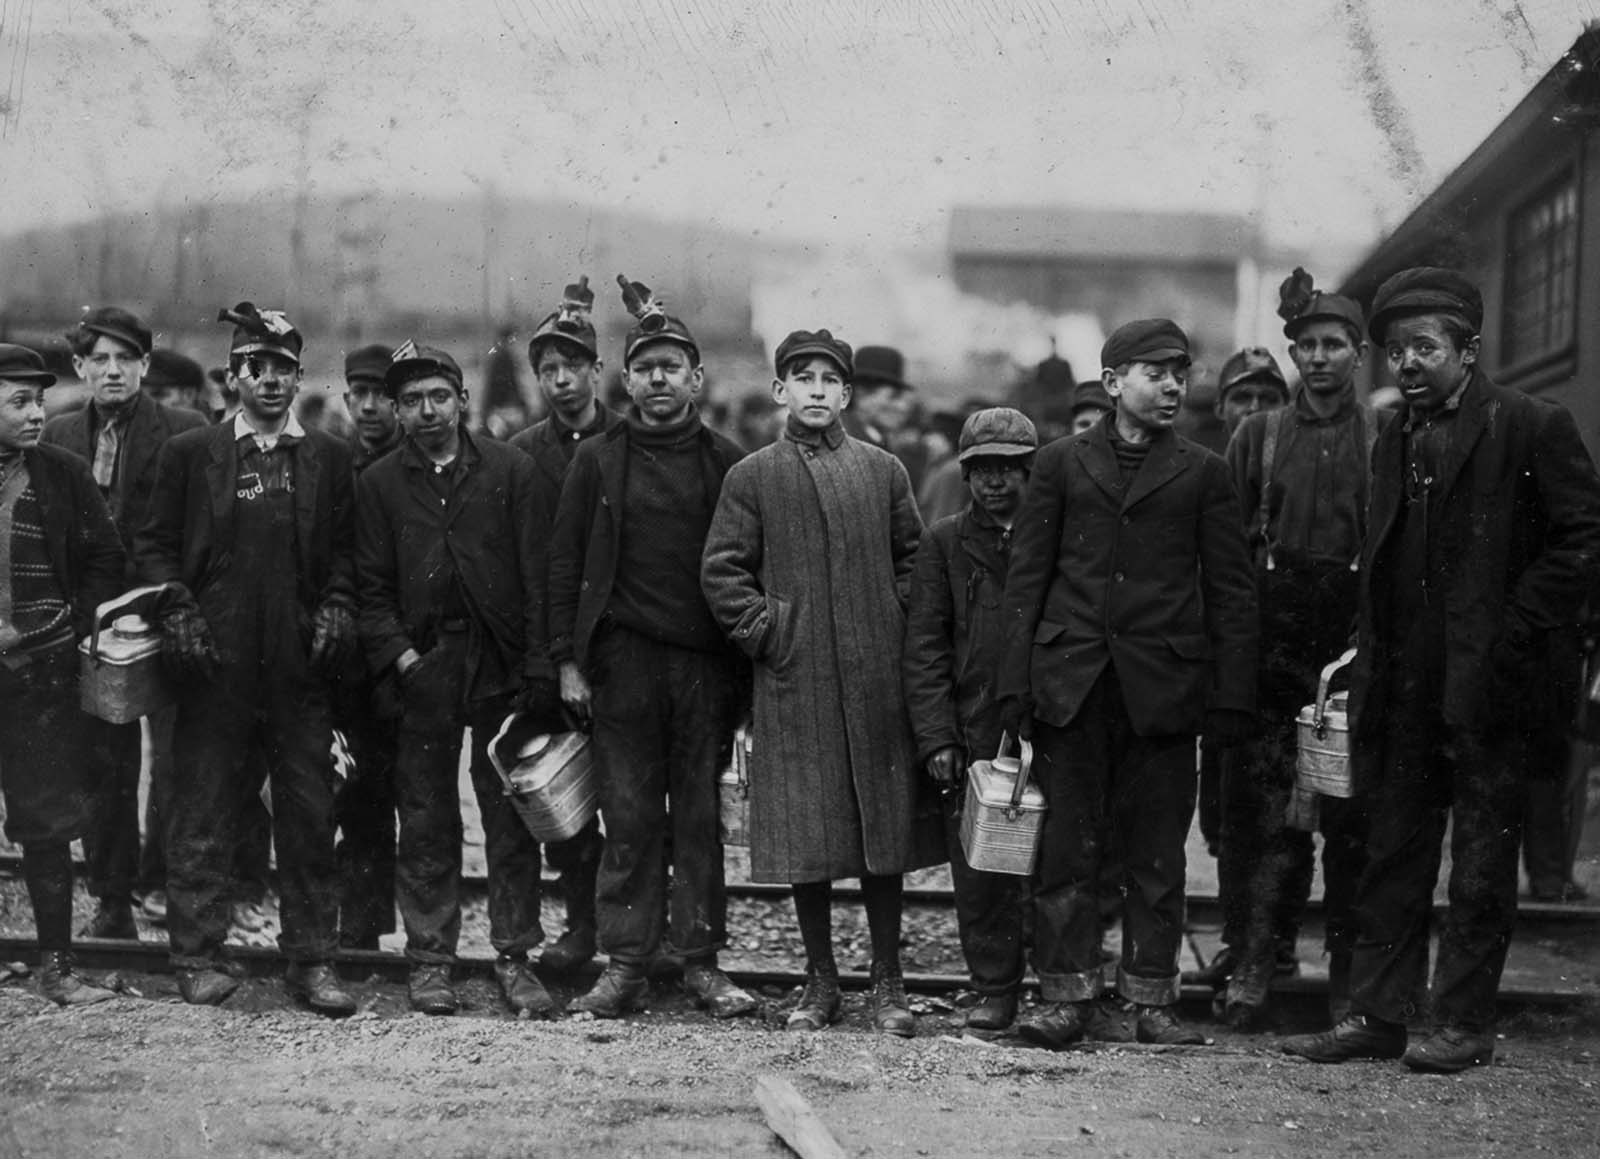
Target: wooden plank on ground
[{"x": 792, "y": 1119}]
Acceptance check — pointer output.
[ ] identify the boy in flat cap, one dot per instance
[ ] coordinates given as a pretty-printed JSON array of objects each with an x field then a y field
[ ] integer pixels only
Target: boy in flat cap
[
  {"x": 639, "y": 650},
  {"x": 807, "y": 568},
  {"x": 250, "y": 520},
  {"x": 1303, "y": 479},
  {"x": 565, "y": 357},
  {"x": 60, "y": 558},
  {"x": 448, "y": 554},
  {"x": 119, "y": 433},
  {"x": 1249, "y": 383},
  {"x": 364, "y": 804},
  {"x": 954, "y": 639},
  {"x": 1132, "y": 614},
  {"x": 1483, "y": 541}
]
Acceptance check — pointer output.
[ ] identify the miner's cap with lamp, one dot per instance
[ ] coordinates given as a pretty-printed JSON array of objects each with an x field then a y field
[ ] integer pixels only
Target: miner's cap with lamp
[
  {"x": 821, "y": 343},
  {"x": 1300, "y": 303},
  {"x": 1251, "y": 363},
  {"x": 411, "y": 362},
  {"x": 1425, "y": 290},
  {"x": 257, "y": 331},
  {"x": 569, "y": 325},
  {"x": 1145, "y": 340},
  {"x": 652, "y": 322}
]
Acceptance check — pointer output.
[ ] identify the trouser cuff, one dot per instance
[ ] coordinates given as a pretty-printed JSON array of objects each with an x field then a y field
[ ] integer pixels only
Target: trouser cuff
[
  {"x": 1147, "y": 991},
  {"x": 1084, "y": 986},
  {"x": 430, "y": 957}
]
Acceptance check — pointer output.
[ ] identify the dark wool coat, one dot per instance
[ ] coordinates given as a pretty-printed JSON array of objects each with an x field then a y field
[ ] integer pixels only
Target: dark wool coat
[
  {"x": 189, "y": 536},
  {"x": 80, "y": 537},
  {"x": 955, "y": 635},
  {"x": 807, "y": 567},
  {"x": 149, "y": 426},
  {"x": 487, "y": 534},
  {"x": 1154, "y": 578},
  {"x": 1519, "y": 521}
]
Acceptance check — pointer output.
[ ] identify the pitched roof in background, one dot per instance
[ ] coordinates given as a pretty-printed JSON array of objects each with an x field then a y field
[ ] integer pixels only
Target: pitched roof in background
[{"x": 1101, "y": 234}]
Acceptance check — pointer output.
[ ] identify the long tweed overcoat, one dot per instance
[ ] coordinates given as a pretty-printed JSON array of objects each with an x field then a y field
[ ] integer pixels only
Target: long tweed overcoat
[{"x": 808, "y": 568}]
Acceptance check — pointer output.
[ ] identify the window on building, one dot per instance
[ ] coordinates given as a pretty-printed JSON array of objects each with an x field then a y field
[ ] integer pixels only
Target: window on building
[{"x": 1542, "y": 273}]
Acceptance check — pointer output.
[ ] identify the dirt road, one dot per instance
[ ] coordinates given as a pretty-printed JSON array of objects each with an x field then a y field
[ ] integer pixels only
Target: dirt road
[{"x": 152, "y": 1077}]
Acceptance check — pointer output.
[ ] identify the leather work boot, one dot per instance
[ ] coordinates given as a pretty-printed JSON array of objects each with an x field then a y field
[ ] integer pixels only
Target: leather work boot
[
  {"x": 572, "y": 951},
  {"x": 521, "y": 987},
  {"x": 621, "y": 989},
  {"x": 1358, "y": 1036},
  {"x": 891, "y": 1012},
  {"x": 1109, "y": 1021},
  {"x": 1159, "y": 1026},
  {"x": 59, "y": 982},
  {"x": 715, "y": 991},
  {"x": 1448, "y": 1050},
  {"x": 820, "y": 1002},
  {"x": 994, "y": 1012},
  {"x": 1055, "y": 1025},
  {"x": 318, "y": 985},
  {"x": 1216, "y": 973},
  {"x": 207, "y": 987},
  {"x": 430, "y": 991},
  {"x": 113, "y": 918}
]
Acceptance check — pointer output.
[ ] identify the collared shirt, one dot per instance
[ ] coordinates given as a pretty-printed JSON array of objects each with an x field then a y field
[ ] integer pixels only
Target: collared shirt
[{"x": 243, "y": 429}]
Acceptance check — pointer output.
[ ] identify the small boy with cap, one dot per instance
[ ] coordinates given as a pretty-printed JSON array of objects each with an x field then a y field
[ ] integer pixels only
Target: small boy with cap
[
  {"x": 565, "y": 356},
  {"x": 1249, "y": 383},
  {"x": 806, "y": 568},
  {"x": 1090, "y": 404},
  {"x": 251, "y": 524},
  {"x": 1483, "y": 541},
  {"x": 640, "y": 653},
  {"x": 60, "y": 558},
  {"x": 119, "y": 434},
  {"x": 954, "y": 639},
  {"x": 447, "y": 553},
  {"x": 1303, "y": 478},
  {"x": 1132, "y": 619}
]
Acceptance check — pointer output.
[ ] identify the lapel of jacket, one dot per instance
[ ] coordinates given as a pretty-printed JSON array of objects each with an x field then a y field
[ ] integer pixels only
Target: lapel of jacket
[
  {"x": 1168, "y": 458},
  {"x": 222, "y": 476},
  {"x": 613, "y": 472},
  {"x": 75, "y": 432},
  {"x": 1099, "y": 461},
  {"x": 468, "y": 483},
  {"x": 142, "y": 442},
  {"x": 307, "y": 478},
  {"x": 1388, "y": 484},
  {"x": 1470, "y": 423}
]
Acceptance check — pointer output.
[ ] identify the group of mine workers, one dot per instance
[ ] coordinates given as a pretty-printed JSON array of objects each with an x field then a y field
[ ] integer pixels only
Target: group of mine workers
[{"x": 1110, "y": 597}]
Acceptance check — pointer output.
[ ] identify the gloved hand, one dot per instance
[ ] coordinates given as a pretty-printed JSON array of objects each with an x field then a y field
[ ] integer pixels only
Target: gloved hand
[
  {"x": 333, "y": 635},
  {"x": 1016, "y": 716},
  {"x": 1226, "y": 727},
  {"x": 186, "y": 644},
  {"x": 944, "y": 766}
]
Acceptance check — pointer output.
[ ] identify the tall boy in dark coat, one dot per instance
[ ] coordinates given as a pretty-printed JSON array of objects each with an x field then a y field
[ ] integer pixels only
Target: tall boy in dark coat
[
  {"x": 638, "y": 649},
  {"x": 60, "y": 558},
  {"x": 445, "y": 548},
  {"x": 250, "y": 521},
  {"x": 1484, "y": 537},
  {"x": 954, "y": 638},
  {"x": 119, "y": 433},
  {"x": 1132, "y": 617}
]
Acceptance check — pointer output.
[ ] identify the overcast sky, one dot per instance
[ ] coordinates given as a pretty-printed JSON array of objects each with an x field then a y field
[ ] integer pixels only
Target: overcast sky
[{"x": 856, "y": 123}]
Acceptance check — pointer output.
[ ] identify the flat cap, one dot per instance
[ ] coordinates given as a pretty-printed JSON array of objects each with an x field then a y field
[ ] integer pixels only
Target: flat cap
[
  {"x": 881, "y": 366},
  {"x": 1091, "y": 393},
  {"x": 411, "y": 362},
  {"x": 20, "y": 364},
  {"x": 999, "y": 430},
  {"x": 1424, "y": 290},
  {"x": 1147, "y": 340},
  {"x": 115, "y": 322},
  {"x": 169, "y": 368},
  {"x": 368, "y": 365},
  {"x": 820, "y": 343},
  {"x": 569, "y": 324},
  {"x": 1251, "y": 362}
]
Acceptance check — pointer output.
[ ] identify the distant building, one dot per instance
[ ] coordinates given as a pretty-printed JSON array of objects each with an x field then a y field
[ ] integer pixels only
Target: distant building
[{"x": 1521, "y": 216}]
